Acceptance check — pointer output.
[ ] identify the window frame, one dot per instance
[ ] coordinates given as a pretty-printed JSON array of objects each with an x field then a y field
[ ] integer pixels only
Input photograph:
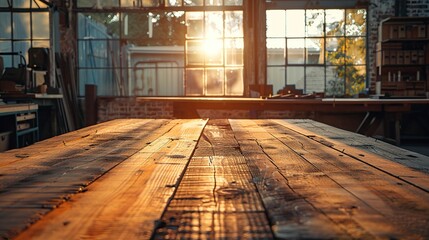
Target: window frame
[
  {"x": 117, "y": 9},
  {"x": 304, "y": 62}
]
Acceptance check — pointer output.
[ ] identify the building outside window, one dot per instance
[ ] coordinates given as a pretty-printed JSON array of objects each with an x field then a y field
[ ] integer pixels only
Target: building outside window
[
  {"x": 317, "y": 50},
  {"x": 161, "y": 48}
]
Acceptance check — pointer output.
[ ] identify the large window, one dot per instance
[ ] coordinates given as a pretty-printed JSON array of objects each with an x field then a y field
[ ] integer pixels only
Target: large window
[
  {"x": 317, "y": 50},
  {"x": 161, "y": 48},
  {"x": 23, "y": 24},
  {"x": 214, "y": 53}
]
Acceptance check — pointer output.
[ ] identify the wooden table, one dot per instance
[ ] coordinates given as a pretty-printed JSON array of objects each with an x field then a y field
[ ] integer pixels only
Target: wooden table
[{"x": 199, "y": 179}]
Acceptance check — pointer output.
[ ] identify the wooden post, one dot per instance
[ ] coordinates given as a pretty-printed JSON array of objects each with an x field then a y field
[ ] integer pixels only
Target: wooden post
[
  {"x": 90, "y": 104},
  {"x": 255, "y": 50}
]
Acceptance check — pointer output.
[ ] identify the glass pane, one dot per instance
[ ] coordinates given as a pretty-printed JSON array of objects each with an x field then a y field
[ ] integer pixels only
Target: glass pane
[
  {"x": 103, "y": 78},
  {"x": 276, "y": 51},
  {"x": 276, "y": 77},
  {"x": 335, "y": 51},
  {"x": 213, "y": 51},
  {"x": 22, "y": 48},
  {"x": 234, "y": 24},
  {"x": 315, "y": 23},
  {"x": 144, "y": 79},
  {"x": 39, "y": 4},
  {"x": 214, "y": 25},
  {"x": 194, "y": 52},
  {"x": 234, "y": 81},
  {"x": 335, "y": 81},
  {"x": 157, "y": 79},
  {"x": 356, "y": 22},
  {"x": 356, "y": 51},
  {"x": 154, "y": 29},
  {"x": 195, "y": 24},
  {"x": 355, "y": 80},
  {"x": 130, "y": 3},
  {"x": 5, "y": 26},
  {"x": 4, "y": 4},
  {"x": 136, "y": 28},
  {"x": 233, "y": 2},
  {"x": 295, "y": 51},
  {"x": 215, "y": 81},
  {"x": 193, "y": 2},
  {"x": 214, "y": 2},
  {"x": 98, "y": 25},
  {"x": 194, "y": 81},
  {"x": 21, "y": 3},
  {"x": 335, "y": 22},
  {"x": 169, "y": 55},
  {"x": 5, "y": 46},
  {"x": 41, "y": 25},
  {"x": 295, "y": 76},
  {"x": 150, "y": 3},
  {"x": 234, "y": 52},
  {"x": 295, "y": 23},
  {"x": 173, "y": 3},
  {"x": 276, "y": 23},
  {"x": 314, "y": 51},
  {"x": 97, "y": 3},
  {"x": 315, "y": 79},
  {"x": 41, "y": 43},
  {"x": 169, "y": 80},
  {"x": 21, "y": 25},
  {"x": 97, "y": 53}
]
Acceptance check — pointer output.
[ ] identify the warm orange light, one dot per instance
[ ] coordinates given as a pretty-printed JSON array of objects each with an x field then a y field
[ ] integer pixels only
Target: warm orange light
[{"x": 212, "y": 46}]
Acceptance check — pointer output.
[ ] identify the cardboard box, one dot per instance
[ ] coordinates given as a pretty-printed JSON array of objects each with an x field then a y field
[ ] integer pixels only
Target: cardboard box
[
  {"x": 386, "y": 57},
  {"x": 394, "y": 32},
  {"x": 400, "y": 57},
  {"x": 401, "y": 31},
  {"x": 414, "y": 57},
  {"x": 407, "y": 57},
  {"x": 5, "y": 141},
  {"x": 393, "y": 59}
]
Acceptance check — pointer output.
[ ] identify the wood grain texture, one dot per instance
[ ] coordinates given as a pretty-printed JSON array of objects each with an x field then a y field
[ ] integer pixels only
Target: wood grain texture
[
  {"x": 318, "y": 131},
  {"x": 126, "y": 202},
  {"x": 53, "y": 170},
  {"x": 281, "y": 176},
  {"x": 396, "y": 201},
  {"x": 217, "y": 179},
  {"x": 217, "y": 198},
  {"x": 385, "y": 157}
]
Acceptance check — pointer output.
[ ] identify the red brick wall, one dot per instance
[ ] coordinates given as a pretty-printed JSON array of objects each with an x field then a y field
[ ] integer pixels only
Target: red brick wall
[
  {"x": 129, "y": 107},
  {"x": 122, "y": 107}
]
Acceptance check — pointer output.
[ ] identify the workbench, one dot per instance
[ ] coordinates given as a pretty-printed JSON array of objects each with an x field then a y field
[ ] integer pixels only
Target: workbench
[
  {"x": 22, "y": 121},
  {"x": 212, "y": 179}
]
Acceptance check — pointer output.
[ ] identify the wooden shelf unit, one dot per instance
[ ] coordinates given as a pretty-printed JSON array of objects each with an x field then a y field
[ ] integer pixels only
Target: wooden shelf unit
[{"x": 403, "y": 56}]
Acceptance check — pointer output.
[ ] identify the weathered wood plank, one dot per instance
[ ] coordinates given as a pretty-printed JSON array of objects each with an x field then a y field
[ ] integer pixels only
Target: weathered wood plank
[
  {"x": 126, "y": 202},
  {"x": 417, "y": 165},
  {"x": 319, "y": 131},
  {"x": 216, "y": 198},
  {"x": 48, "y": 152},
  {"x": 49, "y": 177},
  {"x": 291, "y": 214},
  {"x": 400, "y": 204},
  {"x": 243, "y": 179}
]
